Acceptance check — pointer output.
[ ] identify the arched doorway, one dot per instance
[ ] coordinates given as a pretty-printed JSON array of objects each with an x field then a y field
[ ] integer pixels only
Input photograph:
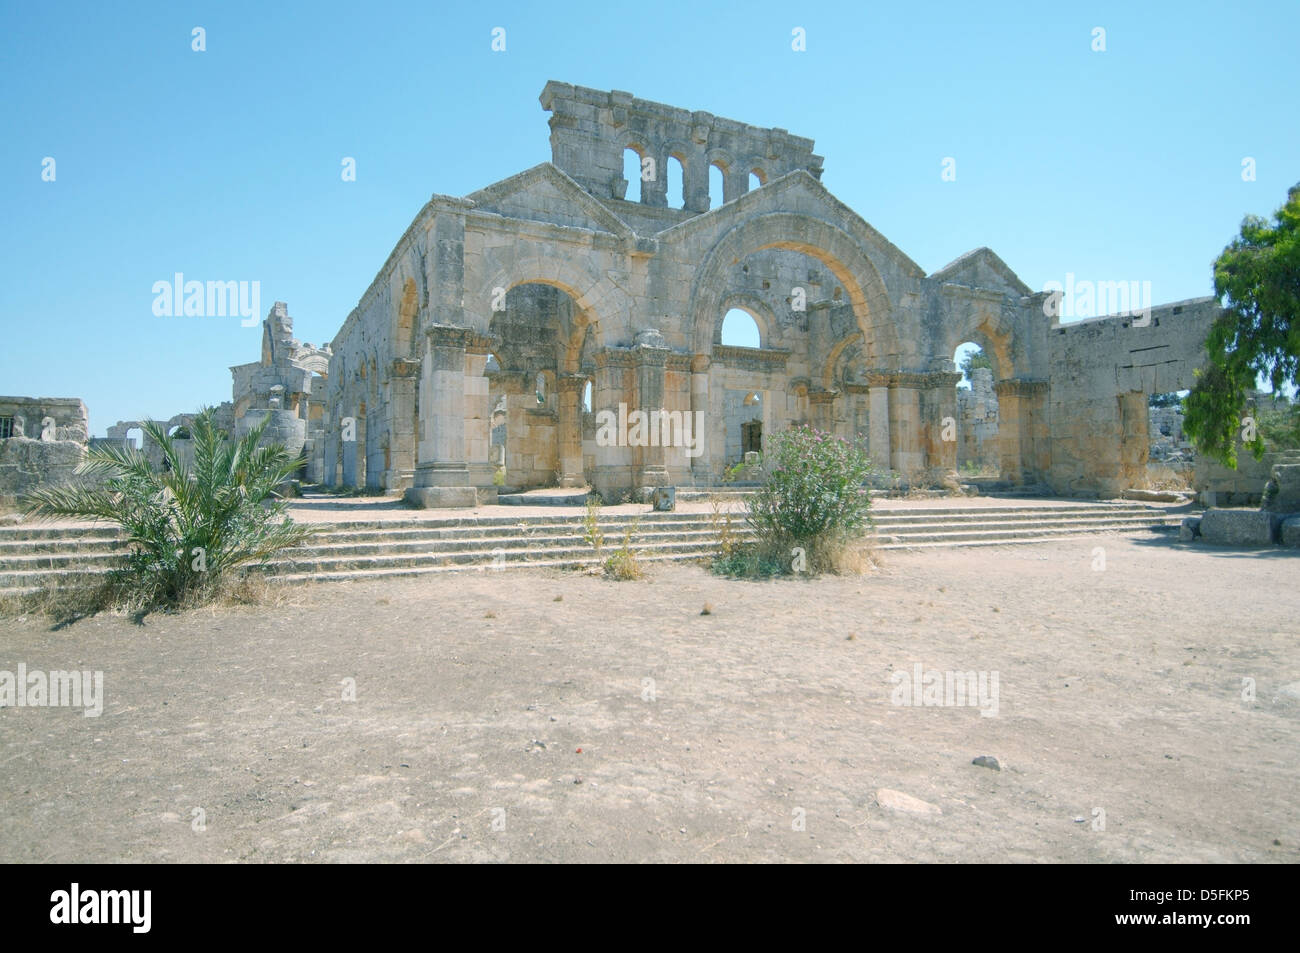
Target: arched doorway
[{"x": 978, "y": 453}]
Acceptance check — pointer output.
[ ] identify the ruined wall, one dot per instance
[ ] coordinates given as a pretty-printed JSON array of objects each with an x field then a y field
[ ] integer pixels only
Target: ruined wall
[
  {"x": 47, "y": 439},
  {"x": 855, "y": 337},
  {"x": 591, "y": 128},
  {"x": 1102, "y": 373},
  {"x": 977, "y": 422}
]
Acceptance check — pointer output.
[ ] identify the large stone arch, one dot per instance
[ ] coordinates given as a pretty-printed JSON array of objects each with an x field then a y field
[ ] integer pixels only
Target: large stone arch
[
  {"x": 591, "y": 297},
  {"x": 983, "y": 325},
  {"x": 404, "y": 320},
  {"x": 843, "y": 255},
  {"x": 833, "y": 359}
]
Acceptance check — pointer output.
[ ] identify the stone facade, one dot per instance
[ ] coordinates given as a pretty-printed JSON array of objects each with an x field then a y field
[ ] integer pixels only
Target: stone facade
[
  {"x": 288, "y": 383},
  {"x": 42, "y": 442},
  {"x": 553, "y": 278}
]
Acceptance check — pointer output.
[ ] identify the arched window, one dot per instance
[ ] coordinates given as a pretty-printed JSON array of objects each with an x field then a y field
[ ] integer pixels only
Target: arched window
[
  {"x": 739, "y": 329},
  {"x": 632, "y": 172},
  {"x": 755, "y": 180},
  {"x": 586, "y": 397},
  {"x": 966, "y": 359},
  {"x": 716, "y": 191},
  {"x": 540, "y": 387},
  {"x": 676, "y": 183}
]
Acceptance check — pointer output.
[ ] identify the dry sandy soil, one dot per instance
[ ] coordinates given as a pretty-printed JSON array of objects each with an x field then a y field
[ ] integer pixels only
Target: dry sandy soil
[{"x": 1120, "y": 691}]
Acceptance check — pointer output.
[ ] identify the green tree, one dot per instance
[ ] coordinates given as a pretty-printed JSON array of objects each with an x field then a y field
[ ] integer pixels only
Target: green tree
[
  {"x": 1257, "y": 279},
  {"x": 191, "y": 523},
  {"x": 972, "y": 360}
]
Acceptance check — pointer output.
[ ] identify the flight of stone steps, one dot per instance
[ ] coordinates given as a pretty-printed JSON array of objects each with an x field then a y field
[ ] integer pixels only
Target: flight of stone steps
[{"x": 34, "y": 556}]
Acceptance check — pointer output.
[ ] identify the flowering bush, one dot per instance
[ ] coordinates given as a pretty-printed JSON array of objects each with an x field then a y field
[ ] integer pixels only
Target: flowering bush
[{"x": 813, "y": 497}]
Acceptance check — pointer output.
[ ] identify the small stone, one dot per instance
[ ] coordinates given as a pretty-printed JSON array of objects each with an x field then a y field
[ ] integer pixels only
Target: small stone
[
  {"x": 987, "y": 761},
  {"x": 899, "y": 801}
]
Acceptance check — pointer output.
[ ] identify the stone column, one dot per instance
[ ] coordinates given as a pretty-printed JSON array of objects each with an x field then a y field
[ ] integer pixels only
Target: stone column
[
  {"x": 570, "y": 429},
  {"x": 655, "y": 191},
  {"x": 907, "y": 456},
  {"x": 442, "y": 473},
  {"x": 403, "y": 376},
  {"x": 878, "y": 422},
  {"x": 695, "y": 184},
  {"x": 701, "y": 414},
  {"x": 350, "y": 426},
  {"x": 612, "y": 393},
  {"x": 518, "y": 390},
  {"x": 821, "y": 404},
  {"x": 735, "y": 183},
  {"x": 941, "y": 423},
  {"x": 478, "y": 418},
  {"x": 650, "y": 355},
  {"x": 1019, "y": 407},
  {"x": 330, "y": 450}
]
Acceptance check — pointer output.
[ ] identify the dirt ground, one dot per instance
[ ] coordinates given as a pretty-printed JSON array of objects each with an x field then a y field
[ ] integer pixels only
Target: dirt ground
[{"x": 549, "y": 716}]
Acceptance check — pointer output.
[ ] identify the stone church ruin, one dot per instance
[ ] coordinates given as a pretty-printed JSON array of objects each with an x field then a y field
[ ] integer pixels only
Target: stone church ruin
[
  {"x": 503, "y": 321},
  {"x": 507, "y": 324}
]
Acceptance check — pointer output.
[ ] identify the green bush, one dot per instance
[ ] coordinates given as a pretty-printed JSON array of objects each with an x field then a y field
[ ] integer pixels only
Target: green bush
[
  {"x": 189, "y": 525},
  {"x": 813, "y": 496},
  {"x": 623, "y": 564},
  {"x": 745, "y": 560}
]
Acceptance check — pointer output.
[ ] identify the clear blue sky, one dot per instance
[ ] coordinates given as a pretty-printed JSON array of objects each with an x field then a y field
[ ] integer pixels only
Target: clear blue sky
[{"x": 226, "y": 164}]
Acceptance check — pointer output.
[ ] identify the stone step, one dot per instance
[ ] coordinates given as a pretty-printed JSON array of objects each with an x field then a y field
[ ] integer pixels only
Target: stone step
[
  {"x": 26, "y": 547},
  {"x": 38, "y": 531},
  {"x": 482, "y": 556},
  {"x": 1022, "y": 534},
  {"x": 364, "y": 548},
  {"x": 57, "y": 553}
]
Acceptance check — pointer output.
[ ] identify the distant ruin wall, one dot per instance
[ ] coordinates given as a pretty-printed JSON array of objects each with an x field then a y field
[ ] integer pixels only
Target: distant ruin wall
[{"x": 42, "y": 441}]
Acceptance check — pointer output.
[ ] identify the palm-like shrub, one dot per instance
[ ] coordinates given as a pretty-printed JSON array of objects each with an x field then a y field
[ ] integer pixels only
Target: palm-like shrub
[
  {"x": 191, "y": 524},
  {"x": 813, "y": 495}
]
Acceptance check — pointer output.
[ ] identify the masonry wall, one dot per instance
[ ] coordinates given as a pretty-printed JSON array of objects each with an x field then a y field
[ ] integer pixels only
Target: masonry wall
[
  {"x": 1102, "y": 373},
  {"x": 50, "y": 439}
]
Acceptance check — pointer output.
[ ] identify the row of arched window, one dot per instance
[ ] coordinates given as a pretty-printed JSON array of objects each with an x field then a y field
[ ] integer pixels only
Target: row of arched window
[{"x": 676, "y": 173}]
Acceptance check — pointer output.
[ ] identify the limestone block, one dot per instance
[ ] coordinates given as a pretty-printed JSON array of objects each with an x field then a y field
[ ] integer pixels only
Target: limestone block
[
  {"x": 441, "y": 497},
  {"x": 664, "y": 498},
  {"x": 1190, "y": 529},
  {"x": 1291, "y": 531},
  {"x": 1239, "y": 527},
  {"x": 1283, "y": 494}
]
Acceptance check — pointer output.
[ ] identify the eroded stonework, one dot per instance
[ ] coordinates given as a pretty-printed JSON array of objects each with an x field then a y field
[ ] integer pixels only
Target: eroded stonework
[
  {"x": 42, "y": 442},
  {"x": 509, "y": 306}
]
